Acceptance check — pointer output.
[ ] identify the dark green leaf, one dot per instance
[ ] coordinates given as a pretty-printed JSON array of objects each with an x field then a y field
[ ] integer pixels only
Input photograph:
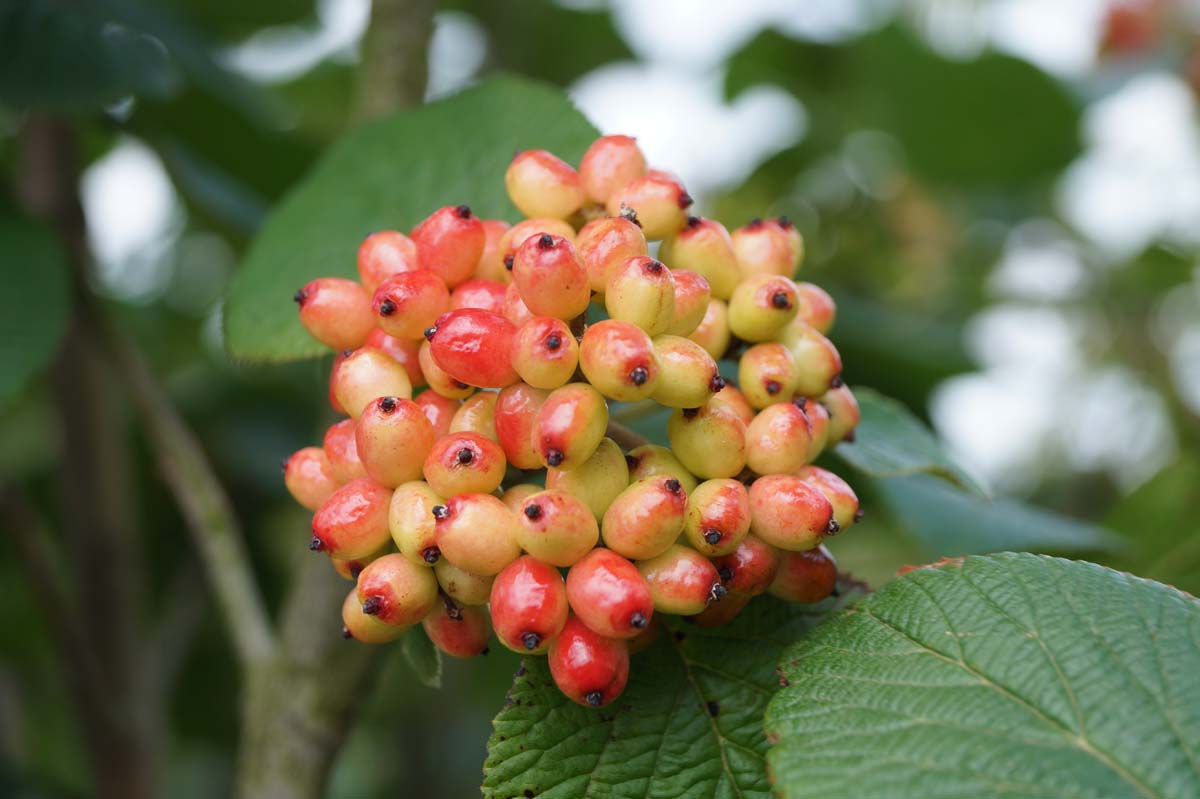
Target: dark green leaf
[
  {"x": 35, "y": 303},
  {"x": 423, "y": 656},
  {"x": 1004, "y": 676}
]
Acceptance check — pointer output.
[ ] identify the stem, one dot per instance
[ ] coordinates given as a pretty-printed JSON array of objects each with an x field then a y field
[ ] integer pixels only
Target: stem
[
  {"x": 626, "y": 439},
  {"x": 394, "y": 71}
]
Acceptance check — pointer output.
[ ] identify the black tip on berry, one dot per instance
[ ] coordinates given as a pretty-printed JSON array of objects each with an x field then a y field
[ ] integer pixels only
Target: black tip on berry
[
  {"x": 850, "y": 437},
  {"x": 632, "y": 462},
  {"x": 833, "y": 528},
  {"x": 316, "y": 544},
  {"x": 638, "y": 620},
  {"x": 630, "y": 215},
  {"x": 387, "y": 308},
  {"x": 716, "y": 384},
  {"x": 685, "y": 199},
  {"x": 430, "y": 332},
  {"x": 283, "y": 462},
  {"x": 486, "y": 649},
  {"x": 508, "y": 262},
  {"x": 387, "y": 404},
  {"x": 653, "y": 266},
  {"x": 346, "y": 633},
  {"x": 692, "y": 222},
  {"x": 800, "y": 402},
  {"x": 712, "y": 537},
  {"x": 372, "y": 606},
  {"x": 463, "y": 211},
  {"x": 837, "y": 382},
  {"x": 460, "y": 384},
  {"x": 465, "y": 456},
  {"x": 638, "y": 375},
  {"x": 355, "y": 570},
  {"x": 431, "y": 555},
  {"x": 784, "y": 222},
  {"x": 593, "y": 698},
  {"x": 754, "y": 222},
  {"x": 533, "y": 511},
  {"x": 531, "y": 640},
  {"x": 545, "y": 241},
  {"x": 859, "y": 514},
  {"x": 300, "y": 296},
  {"x": 554, "y": 457},
  {"x": 690, "y": 413},
  {"x": 725, "y": 573},
  {"x": 553, "y": 342},
  {"x": 717, "y": 592},
  {"x": 672, "y": 485},
  {"x": 772, "y": 387},
  {"x": 441, "y": 512},
  {"x": 781, "y": 300}
]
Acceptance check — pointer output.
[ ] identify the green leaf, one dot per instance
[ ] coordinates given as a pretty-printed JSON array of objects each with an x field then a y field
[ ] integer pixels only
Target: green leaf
[
  {"x": 891, "y": 442},
  {"x": 35, "y": 304},
  {"x": 389, "y": 174},
  {"x": 1160, "y": 522},
  {"x": 689, "y": 723},
  {"x": 1005, "y": 676},
  {"x": 423, "y": 656}
]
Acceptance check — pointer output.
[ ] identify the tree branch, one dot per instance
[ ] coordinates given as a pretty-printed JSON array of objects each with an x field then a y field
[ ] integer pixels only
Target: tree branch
[
  {"x": 626, "y": 438},
  {"x": 394, "y": 70}
]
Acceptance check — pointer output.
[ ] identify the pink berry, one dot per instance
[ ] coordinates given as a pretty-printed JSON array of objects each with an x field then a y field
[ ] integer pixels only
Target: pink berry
[
  {"x": 473, "y": 347},
  {"x": 618, "y": 359},
  {"x": 718, "y": 516},
  {"x": 569, "y": 426},
  {"x": 529, "y": 605},
  {"x": 818, "y": 363},
  {"x": 844, "y": 413},
  {"x": 808, "y": 576},
  {"x": 411, "y": 522},
  {"x": 605, "y": 244},
  {"x": 477, "y": 415},
  {"x": 610, "y": 163},
  {"x": 438, "y": 410},
  {"x": 750, "y": 568},
  {"x": 516, "y": 411},
  {"x": 363, "y": 628},
  {"x": 396, "y": 591},
  {"x": 764, "y": 248},
  {"x": 682, "y": 581},
  {"x": 588, "y": 668},
  {"x": 713, "y": 331},
  {"x": 449, "y": 243},
  {"x": 438, "y": 378},
  {"x": 464, "y": 463},
  {"x": 353, "y": 522},
  {"x": 407, "y": 303},
  {"x": 393, "y": 438},
  {"x": 365, "y": 375},
  {"x": 491, "y": 262},
  {"x": 692, "y": 295},
  {"x": 551, "y": 278},
  {"x": 477, "y": 533},
  {"x": 487, "y": 295},
  {"x": 521, "y": 232},
  {"x": 556, "y": 527},
  {"x": 460, "y": 632},
  {"x": 336, "y": 312},
  {"x": 659, "y": 202},
  {"x": 815, "y": 307},
  {"x": 789, "y": 513},
  {"x": 309, "y": 477},
  {"x": 646, "y": 518},
  {"x": 545, "y": 352},
  {"x": 836, "y": 490},
  {"x": 341, "y": 448},
  {"x": 704, "y": 247},
  {"x": 542, "y": 184},
  {"x": 641, "y": 291},
  {"x": 403, "y": 351},
  {"x": 609, "y": 595},
  {"x": 383, "y": 254},
  {"x": 778, "y": 440}
]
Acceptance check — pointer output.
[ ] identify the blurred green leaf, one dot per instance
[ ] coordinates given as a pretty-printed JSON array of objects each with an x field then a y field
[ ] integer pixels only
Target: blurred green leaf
[
  {"x": 1160, "y": 522},
  {"x": 423, "y": 656},
  {"x": 389, "y": 174},
  {"x": 35, "y": 303},
  {"x": 1012, "y": 675},
  {"x": 232, "y": 19}
]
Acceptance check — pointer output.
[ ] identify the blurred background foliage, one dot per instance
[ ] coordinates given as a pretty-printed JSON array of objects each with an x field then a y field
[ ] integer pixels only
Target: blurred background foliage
[{"x": 1001, "y": 196}]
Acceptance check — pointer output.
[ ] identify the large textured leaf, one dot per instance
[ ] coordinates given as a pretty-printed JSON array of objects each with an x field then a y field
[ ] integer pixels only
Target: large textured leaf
[
  {"x": 34, "y": 305},
  {"x": 389, "y": 174},
  {"x": 688, "y": 725},
  {"x": 1002, "y": 676}
]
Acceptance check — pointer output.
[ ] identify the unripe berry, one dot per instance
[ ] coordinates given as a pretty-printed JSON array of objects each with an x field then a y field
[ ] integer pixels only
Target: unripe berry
[
  {"x": 818, "y": 363},
  {"x": 551, "y": 278},
  {"x": 353, "y": 522},
  {"x": 767, "y": 374},
  {"x": 761, "y": 306},
  {"x": 618, "y": 359},
  {"x": 515, "y": 496},
  {"x": 464, "y": 463},
  {"x": 472, "y": 346},
  {"x": 815, "y": 307},
  {"x": 477, "y": 414},
  {"x": 476, "y": 533},
  {"x": 818, "y": 422},
  {"x": 350, "y": 568},
  {"x": 460, "y": 632},
  {"x": 718, "y": 614},
  {"x": 515, "y": 309},
  {"x": 732, "y": 398},
  {"x": 462, "y": 586},
  {"x": 516, "y": 411},
  {"x": 486, "y": 295},
  {"x": 338, "y": 357},
  {"x": 691, "y": 302},
  {"x": 396, "y": 591},
  {"x": 383, "y": 254},
  {"x": 605, "y": 244},
  {"x": 749, "y": 569},
  {"x": 650, "y": 460},
  {"x": 363, "y": 628},
  {"x": 439, "y": 379},
  {"x": 709, "y": 441},
  {"x": 704, "y": 247},
  {"x": 764, "y": 248},
  {"x": 646, "y": 518},
  {"x": 610, "y": 163},
  {"x": 788, "y": 513},
  {"x": 411, "y": 522},
  {"x": 570, "y": 425},
  {"x": 341, "y": 448},
  {"x": 336, "y": 312},
  {"x": 309, "y": 477},
  {"x": 365, "y": 375},
  {"x": 588, "y": 668},
  {"x": 597, "y": 481},
  {"x": 718, "y": 517},
  {"x": 491, "y": 262},
  {"x": 521, "y": 232},
  {"x": 839, "y": 493},
  {"x": 540, "y": 183},
  {"x": 808, "y": 576},
  {"x": 609, "y": 595},
  {"x": 682, "y": 581},
  {"x": 713, "y": 331},
  {"x": 659, "y": 202},
  {"x": 794, "y": 239},
  {"x": 556, "y": 528},
  {"x": 545, "y": 352},
  {"x": 449, "y": 243},
  {"x": 688, "y": 375},
  {"x": 778, "y": 439},
  {"x": 438, "y": 410},
  {"x": 641, "y": 291},
  {"x": 405, "y": 352},
  {"x": 529, "y": 605},
  {"x": 844, "y": 413},
  {"x": 393, "y": 437}
]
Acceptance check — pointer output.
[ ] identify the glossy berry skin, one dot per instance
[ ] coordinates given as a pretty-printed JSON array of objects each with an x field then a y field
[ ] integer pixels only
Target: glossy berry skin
[
  {"x": 767, "y": 374},
  {"x": 529, "y": 605},
  {"x": 491, "y": 262},
  {"x": 844, "y": 413},
  {"x": 646, "y": 518},
  {"x": 610, "y": 163},
  {"x": 641, "y": 291},
  {"x": 703, "y": 246},
  {"x": 438, "y": 378},
  {"x": 309, "y": 477},
  {"x": 353, "y": 522},
  {"x": 396, "y": 591},
  {"x": 659, "y": 202},
  {"x": 464, "y": 463},
  {"x": 761, "y": 306},
  {"x": 818, "y": 422},
  {"x": 808, "y": 576},
  {"x": 718, "y": 614},
  {"x": 406, "y": 352},
  {"x": 817, "y": 360},
  {"x": 839, "y": 493},
  {"x": 411, "y": 522},
  {"x": 341, "y": 448},
  {"x": 604, "y": 244},
  {"x": 750, "y": 568},
  {"x": 477, "y": 533},
  {"x": 336, "y": 312},
  {"x": 540, "y": 183},
  {"x": 550, "y": 277},
  {"x": 815, "y": 307},
  {"x": 514, "y": 497},
  {"x": 609, "y": 595},
  {"x": 460, "y": 632},
  {"x": 462, "y": 586},
  {"x": 545, "y": 352},
  {"x": 349, "y": 569},
  {"x": 778, "y": 440},
  {"x": 713, "y": 331},
  {"x": 763, "y": 247},
  {"x": 788, "y": 513},
  {"x": 438, "y": 410},
  {"x": 718, "y": 517},
  {"x": 688, "y": 375},
  {"x": 393, "y": 437},
  {"x": 363, "y": 628},
  {"x": 618, "y": 359},
  {"x": 449, "y": 243},
  {"x": 597, "y": 481},
  {"x": 588, "y": 668},
  {"x": 473, "y": 346},
  {"x": 477, "y": 414},
  {"x": 569, "y": 426},
  {"x": 691, "y": 302},
  {"x": 709, "y": 441},
  {"x": 649, "y": 460},
  {"x": 521, "y": 232},
  {"x": 383, "y": 254},
  {"x": 517, "y": 407},
  {"x": 515, "y": 309},
  {"x": 731, "y": 398},
  {"x": 365, "y": 375},
  {"x": 682, "y": 581},
  {"x": 556, "y": 528},
  {"x": 487, "y": 295}
]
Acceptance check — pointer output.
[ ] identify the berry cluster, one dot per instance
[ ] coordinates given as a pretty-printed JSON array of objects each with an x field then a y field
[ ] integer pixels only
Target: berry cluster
[{"x": 429, "y": 502}]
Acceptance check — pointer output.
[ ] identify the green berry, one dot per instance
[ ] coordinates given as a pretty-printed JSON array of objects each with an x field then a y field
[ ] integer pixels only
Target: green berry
[{"x": 597, "y": 481}]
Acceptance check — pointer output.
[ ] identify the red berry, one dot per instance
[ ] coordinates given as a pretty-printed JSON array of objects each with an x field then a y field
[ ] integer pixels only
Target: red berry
[
  {"x": 529, "y": 605},
  {"x": 840, "y": 495},
  {"x": 789, "y": 513},
  {"x": 407, "y": 303},
  {"x": 681, "y": 581},
  {"x": 588, "y": 668},
  {"x": 396, "y": 591},
  {"x": 473, "y": 347},
  {"x": 541, "y": 184},
  {"x": 491, "y": 262},
  {"x": 550, "y": 277},
  {"x": 363, "y": 628},
  {"x": 765, "y": 248},
  {"x": 688, "y": 375},
  {"x": 641, "y": 291},
  {"x": 570, "y": 425},
  {"x": 646, "y": 518},
  {"x": 460, "y": 632},
  {"x": 464, "y": 463},
  {"x": 477, "y": 414},
  {"x": 556, "y": 528},
  {"x": 618, "y": 359},
  {"x": 659, "y": 202},
  {"x": 778, "y": 440},
  {"x": 438, "y": 378},
  {"x": 610, "y": 163},
  {"x": 605, "y": 244},
  {"x": 438, "y": 410},
  {"x": 704, "y": 247},
  {"x": 383, "y": 254},
  {"x": 597, "y": 481},
  {"x": 609, "y": 595},
  {"x": 718, "y": 516},
  {"x": 545, "y": 352},
  {"x": 519, "y": 233},
  {"x": 403, "y": 351},
  {"x": 477, "y": 533},
  {"x": 487, "y": 295},
  {"x": 309, "y": 477},
  {"x": 411, "y": 522},
  {"x": 808, "y": 576},
  {"x": 365, "y": 375},
  {"x": 393, "y": 437},
  {"x": 750, "y": 568},
  {"x": 516, "y": 411},
  {"x": 336, "y": 312},
  {"x": 353, "y": 522},
  {"x": 341, "y": 448},
  {"x": 515, "y": 309},
  {"x": 449, "y": 243},
  {"x": 710, "y": 441}
]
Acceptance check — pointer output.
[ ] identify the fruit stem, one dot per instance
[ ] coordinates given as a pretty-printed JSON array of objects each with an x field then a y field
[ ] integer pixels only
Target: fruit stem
[{"x": 626, "y": 438}]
